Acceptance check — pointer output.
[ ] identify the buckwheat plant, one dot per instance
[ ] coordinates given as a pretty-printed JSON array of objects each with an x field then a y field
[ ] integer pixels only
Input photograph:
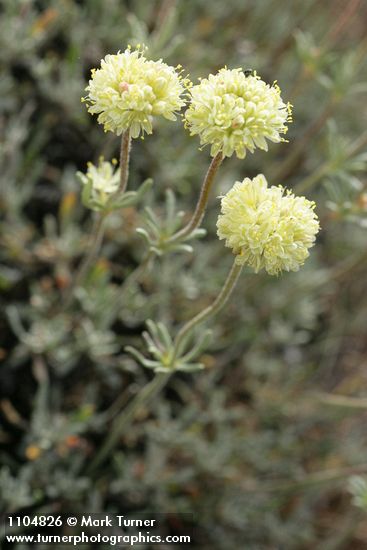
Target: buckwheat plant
[{"x": 266, "y": 227}]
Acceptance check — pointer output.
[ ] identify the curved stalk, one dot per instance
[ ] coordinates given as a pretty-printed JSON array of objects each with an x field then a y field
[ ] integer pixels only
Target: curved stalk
[
  {"x": 124, "y": 160},
  {"x": 211, "y": 310},
  {"x": 203, "y": 200},
  {"x": 161, "y": 379}
]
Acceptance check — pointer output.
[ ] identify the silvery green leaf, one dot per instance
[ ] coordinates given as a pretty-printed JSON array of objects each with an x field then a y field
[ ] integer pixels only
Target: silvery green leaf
[
  {"x": 144, "y": 234},
  {"x": 163, "y": 335},
  {"x": 161, "y": 368},
  {"x": 157, "y": 251},
  {"x": 183, "y": 344},
  {"x": 183, "y": 248},
  {"x": 144, "y": 188},
  {"x": 15, "y": 322},
  {"x": 153, "y": 348},
  {"x": 86, "y": 193},
  {"x": 126, "y": 199},
  {"x": 196, "y": 234},
  {"x": 153, "y": 329},
  {"x": 201, "y": 345},
  {"x": 170, "y": 208},
  {"x": 140, "y": 358},
  {"x": 151, "y": 216},
  {"x": 190, "y": 367}
]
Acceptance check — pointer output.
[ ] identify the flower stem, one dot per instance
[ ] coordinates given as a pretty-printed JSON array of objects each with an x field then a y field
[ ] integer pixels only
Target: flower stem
[
  {"x": 203, "y": 200},
  {"x": 89, "y": 258},
  {"x": 211, "y": 310},
  {"x": 127, "y": 416},
  {"x": 124, "y": 160},
  {"x": 161, "y": 379}
]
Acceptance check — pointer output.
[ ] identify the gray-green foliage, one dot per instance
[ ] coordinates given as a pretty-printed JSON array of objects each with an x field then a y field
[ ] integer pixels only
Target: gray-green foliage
[{"x": 216, "y": 440}]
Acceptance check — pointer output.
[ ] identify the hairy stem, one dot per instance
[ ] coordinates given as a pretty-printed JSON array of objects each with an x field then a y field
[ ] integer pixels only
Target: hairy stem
[
  {"x": 214, "y": 308},
  {"x": 124, "y": 160},
  {"x": 203, "y": 200},
  {"x": 127, "y": 416}
]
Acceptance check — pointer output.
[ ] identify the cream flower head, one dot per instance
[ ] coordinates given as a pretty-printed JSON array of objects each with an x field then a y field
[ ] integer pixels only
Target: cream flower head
[
  {"x": 100, "y": 183},
  {"x": 128, "y": 90},
  {"x": 267, "y": 227},
  {"x": 234, "y": 112}
]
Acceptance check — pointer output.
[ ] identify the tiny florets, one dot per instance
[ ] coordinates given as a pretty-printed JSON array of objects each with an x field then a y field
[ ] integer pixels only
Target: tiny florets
[
  {"x": 101, "y": 182},
  {"x": 235, "y": 112},
  {"x": 267, "y": 227},
  {"x": 128, "y": 90}
]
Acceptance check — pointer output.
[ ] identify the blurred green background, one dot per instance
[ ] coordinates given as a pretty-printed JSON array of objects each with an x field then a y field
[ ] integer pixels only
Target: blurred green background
[{"x": 261, "y": 445}]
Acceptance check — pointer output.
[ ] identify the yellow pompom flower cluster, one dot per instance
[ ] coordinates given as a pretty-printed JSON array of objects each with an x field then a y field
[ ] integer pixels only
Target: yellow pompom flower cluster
[
  {"x": 235, "y": 112},
  {"x": 128, "y": 90},
  {"x": 267, "y": 227}
]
